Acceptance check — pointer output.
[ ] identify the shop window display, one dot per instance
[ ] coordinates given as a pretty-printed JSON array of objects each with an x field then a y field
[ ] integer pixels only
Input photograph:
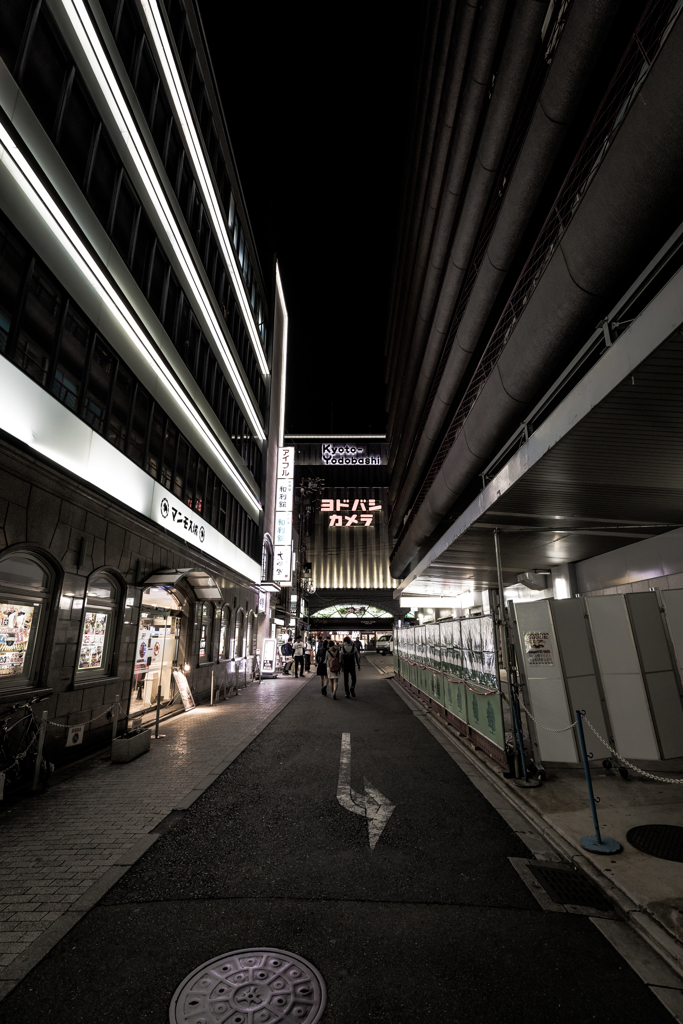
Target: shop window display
[
  {"x": 156, "y": 651},
  {"x": 99, "y": 626},
  {"x": 224, "y": 642},
  {"x": 25, "y": 586}
]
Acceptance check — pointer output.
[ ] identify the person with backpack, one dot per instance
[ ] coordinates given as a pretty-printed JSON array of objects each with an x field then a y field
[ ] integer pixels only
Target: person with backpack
[
  {"x": 298, "y": 652},
  {"x": 287, "y": 652},
  {"x": 349, "y": 659},
  {"x": 321, "y": 666},
  {"x": 333, "y": 667}
]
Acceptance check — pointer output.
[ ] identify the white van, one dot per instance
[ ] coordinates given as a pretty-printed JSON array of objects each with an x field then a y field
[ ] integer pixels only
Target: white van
[{"x": 385, "y": 643}]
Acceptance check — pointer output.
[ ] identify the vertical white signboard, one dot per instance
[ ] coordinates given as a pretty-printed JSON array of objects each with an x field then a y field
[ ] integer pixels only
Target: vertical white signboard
[{"x": 284, "y": 506}]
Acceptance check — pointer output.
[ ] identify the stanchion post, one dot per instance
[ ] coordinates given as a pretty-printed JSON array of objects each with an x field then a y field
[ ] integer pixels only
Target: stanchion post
[
  {"x": 42, "y": 728},
  {"x": 156, "y": 735},
  {"x": 114, "y": 718},
  {"x": 596, "y": 843},
  {"x": 211, "y": 687}
]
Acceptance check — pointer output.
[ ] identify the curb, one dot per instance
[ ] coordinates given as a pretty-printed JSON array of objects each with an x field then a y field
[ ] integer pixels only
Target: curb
[{"x": 656, "y": 937}]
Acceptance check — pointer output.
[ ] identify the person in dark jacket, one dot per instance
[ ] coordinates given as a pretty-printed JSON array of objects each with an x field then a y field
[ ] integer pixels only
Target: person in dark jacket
[
  {"x": 350, "y": 658},
  {"x": 321, "y": 666},
  {"x": 287, "y": 656}
]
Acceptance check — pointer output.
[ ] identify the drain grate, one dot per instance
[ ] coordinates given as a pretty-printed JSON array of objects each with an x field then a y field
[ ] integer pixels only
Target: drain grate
[
  {"x": 566, "y": 885},
  {"x": 664, "y": 841}
]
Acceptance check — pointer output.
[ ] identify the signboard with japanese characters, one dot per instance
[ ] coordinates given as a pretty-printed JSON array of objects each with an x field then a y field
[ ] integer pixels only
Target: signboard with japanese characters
[
  {"x": 351, "y": 512},
  {"x": 285, "y": 463},
  {"x": 284, "y": 495},
  {"x": 282, "y": 563},
  {"x": 282, "y": 527},
  {"x": 538, "y": 649}
]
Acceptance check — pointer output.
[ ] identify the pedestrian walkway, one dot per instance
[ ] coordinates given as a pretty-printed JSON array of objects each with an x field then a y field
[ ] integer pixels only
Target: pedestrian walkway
[{"x": 61, "y": 851}]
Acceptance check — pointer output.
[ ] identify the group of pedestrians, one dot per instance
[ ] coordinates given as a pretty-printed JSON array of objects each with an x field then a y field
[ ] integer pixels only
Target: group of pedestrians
[{"x": 332, "y": 659}]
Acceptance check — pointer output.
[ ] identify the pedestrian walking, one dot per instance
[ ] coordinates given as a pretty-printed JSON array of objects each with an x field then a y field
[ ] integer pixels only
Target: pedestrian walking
[
  {"x": 350, "y": 658},
  {"x": 358, "y": 645},
  {"x": 287, "y": 653},
  {"x": 298, "y": 651},
  {"x": 307, "y": 656},
  {"x": 321, "y": 666},
  {"x": 333, "y": 667}
]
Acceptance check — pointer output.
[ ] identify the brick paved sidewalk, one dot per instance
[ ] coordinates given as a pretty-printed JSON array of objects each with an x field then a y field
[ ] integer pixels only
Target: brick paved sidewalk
[{"x": 60, "y": 852}]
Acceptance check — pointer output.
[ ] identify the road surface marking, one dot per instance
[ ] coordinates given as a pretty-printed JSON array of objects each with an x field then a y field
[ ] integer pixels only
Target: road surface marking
[{"x": 372, "y": 804}]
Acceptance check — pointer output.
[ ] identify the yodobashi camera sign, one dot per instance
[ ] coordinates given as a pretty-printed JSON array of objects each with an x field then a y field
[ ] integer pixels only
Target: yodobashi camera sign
[{"x": 348, "y": 455}]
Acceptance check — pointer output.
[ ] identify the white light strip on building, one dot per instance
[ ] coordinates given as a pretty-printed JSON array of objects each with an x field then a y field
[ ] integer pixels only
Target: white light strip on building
[
  {"x": 336, "y": 437},
  {"x": 92, "y": 48},
  {"x": 43, "y": 202},
  {"x": 283, "y": 373},
  {"x": 164, "y": 50}
]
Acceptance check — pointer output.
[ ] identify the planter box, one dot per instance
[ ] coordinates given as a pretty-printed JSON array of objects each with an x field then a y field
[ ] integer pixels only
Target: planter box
[{"x": 128, "y": 749}]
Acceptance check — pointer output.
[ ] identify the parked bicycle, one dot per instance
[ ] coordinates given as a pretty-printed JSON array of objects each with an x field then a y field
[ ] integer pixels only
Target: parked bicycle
[{"x": 19, "y": 744}]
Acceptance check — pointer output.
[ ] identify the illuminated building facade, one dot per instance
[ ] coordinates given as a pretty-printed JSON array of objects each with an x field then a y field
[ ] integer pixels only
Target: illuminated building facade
[
  {"x": 344, "y": 537},
  {"x": 141, "y": 360}
]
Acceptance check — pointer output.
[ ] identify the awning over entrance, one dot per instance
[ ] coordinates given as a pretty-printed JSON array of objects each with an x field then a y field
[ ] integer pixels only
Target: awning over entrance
[{"x": 204, "y": 587}]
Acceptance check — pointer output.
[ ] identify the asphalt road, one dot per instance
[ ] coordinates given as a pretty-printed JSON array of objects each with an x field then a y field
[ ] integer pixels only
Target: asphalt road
[{"x": 434, "y": 924}]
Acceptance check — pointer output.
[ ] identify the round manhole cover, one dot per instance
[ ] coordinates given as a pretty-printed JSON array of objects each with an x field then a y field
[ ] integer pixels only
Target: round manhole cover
[
  {"x": 251, "y": 986},
  {"x": 665, "y": 841}
]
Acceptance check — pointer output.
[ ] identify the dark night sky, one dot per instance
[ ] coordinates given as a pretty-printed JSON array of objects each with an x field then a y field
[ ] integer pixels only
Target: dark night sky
[{"x": 319, "y": 115}]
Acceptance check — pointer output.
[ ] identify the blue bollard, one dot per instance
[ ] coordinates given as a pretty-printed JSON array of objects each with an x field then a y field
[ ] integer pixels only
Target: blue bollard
[{"x": 596, "y": 843}]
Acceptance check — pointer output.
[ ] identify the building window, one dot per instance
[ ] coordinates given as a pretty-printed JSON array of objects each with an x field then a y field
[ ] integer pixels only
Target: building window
[
  {"x": 204, "y": 619},
  {"x": 239, "y": 634},
  {"x": 251, "y": 634},
  {"x": 25, "y": 588},
  {"x": 99, "y": 626},
  {"x": 225, "y": 637}
]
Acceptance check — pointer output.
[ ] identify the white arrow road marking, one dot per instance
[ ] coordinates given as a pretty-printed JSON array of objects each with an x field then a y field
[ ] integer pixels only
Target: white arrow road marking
[{"x": 372, "y": 804}]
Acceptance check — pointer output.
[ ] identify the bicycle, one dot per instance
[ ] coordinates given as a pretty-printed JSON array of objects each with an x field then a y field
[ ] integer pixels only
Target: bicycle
[{"x": 16, "y": 764}]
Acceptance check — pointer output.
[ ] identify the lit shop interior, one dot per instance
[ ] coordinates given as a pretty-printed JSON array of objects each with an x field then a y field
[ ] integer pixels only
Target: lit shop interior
[{"x": 187, "y": 631}]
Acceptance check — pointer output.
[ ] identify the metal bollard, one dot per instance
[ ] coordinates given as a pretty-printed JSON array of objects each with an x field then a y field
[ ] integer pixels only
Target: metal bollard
[
  {"x": 39, "y": 752},
  {"x": 115, "y": 718},
  {"x": 211, "y": 687},
  {"x": 156, "y": 735},
  {"x": 596, "y": 843}
]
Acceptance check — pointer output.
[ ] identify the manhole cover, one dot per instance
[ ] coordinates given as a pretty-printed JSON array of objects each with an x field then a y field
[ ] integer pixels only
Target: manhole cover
[
  {"x": 665, "y": 841},
  {"x": 250, "y": 986},
  {"x": 565, "y": 885}
]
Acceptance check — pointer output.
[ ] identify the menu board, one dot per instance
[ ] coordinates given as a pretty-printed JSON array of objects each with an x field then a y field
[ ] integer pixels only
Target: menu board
[
  {"x": 16, "y": 622},
  {"x": 184, "y": 690},
  {"x": 92, "y": 643}
]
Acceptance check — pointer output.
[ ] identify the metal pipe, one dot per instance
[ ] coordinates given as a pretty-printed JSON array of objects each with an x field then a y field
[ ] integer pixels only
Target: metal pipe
[
  {"x": 115, "y": 717},
  {"x": 582, "y": 39},
  {"x": 622, "y": 220}
]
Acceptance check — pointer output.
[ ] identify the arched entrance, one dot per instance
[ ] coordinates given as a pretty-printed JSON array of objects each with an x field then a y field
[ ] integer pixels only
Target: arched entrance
[{"x": 165, "y": 620}]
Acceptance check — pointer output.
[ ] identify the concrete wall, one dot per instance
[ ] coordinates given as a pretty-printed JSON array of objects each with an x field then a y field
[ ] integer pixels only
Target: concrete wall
[{"x": 655, "y": 562}]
